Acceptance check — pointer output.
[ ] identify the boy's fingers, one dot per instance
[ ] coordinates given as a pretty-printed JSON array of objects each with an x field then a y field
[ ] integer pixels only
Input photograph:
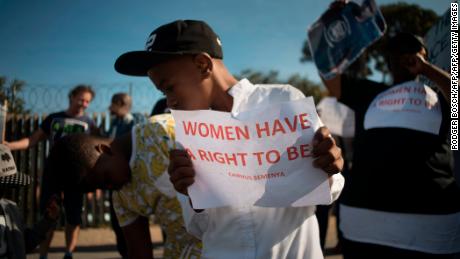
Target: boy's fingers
[
  {"x": 324, "y": 147},
  {"x": 182, "y": 184},
  {"x": 328, "y": 158},
  {"x": 320, "y": 135},
  {"x": 178, "y": 158},
  {"x": 322, "y": 142},
  {"x": 335, "y": 167},
  {"x": 178, "y": 162},
  {"x": 181, "y": 172}
]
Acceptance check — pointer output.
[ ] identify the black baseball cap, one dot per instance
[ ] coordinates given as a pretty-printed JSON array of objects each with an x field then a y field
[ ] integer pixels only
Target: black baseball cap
[{"x": 176, "y": 38}]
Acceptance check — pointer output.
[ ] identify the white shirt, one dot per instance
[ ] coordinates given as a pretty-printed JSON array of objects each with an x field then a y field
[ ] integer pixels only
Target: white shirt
[{"x": 258, "y": 232}]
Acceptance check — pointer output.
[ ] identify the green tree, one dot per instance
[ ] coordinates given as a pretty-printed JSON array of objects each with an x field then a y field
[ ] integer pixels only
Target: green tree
[
  {"x": 307, "y": 87},
  {"x": 257, "y": 77},
  {"x": 9, "y": 91},
  {"x": 399, "y": 17}
]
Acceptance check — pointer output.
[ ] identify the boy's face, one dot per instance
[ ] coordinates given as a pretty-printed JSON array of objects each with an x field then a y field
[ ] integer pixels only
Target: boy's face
[
  {"x": 183, "y": 83},
  {"x": 111, "y": 170}
]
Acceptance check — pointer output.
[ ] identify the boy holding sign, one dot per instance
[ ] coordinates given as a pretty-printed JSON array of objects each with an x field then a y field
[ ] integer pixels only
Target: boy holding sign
[{"x": 184, "y": 60}]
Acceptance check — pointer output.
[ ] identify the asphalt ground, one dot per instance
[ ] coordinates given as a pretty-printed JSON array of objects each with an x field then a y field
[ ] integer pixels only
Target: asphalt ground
[{"x": 99, "y": 243}]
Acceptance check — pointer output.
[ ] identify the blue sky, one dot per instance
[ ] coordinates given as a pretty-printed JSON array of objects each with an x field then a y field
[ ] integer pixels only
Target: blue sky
[{"x": 55, "y": 42}]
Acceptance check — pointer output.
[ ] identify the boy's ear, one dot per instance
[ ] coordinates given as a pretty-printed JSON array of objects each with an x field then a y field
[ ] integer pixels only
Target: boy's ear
[
  {"x": 204, "y": 63},
  {"x": 103, "y": 148}
]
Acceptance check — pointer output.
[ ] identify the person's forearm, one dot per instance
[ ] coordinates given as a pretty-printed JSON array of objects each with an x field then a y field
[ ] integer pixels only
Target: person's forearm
[
  {"x": 19, "y": 144},
  {"x": 28, "y": 141},
  {"x": 439, "y": 77}
]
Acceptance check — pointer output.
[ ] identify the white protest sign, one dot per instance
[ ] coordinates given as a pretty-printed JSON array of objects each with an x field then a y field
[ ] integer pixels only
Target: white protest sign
[
  {"x": 339, "y": 118},
  {"x": 7, "y": 165},
  {"x": 397, "y": 106},
  {"x": 437, "y": 40},
  {"x": 263, "y": 158}
]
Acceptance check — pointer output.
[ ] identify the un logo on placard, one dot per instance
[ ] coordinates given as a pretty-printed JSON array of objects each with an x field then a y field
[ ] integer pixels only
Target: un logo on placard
[{"x": 337, "y": 31}]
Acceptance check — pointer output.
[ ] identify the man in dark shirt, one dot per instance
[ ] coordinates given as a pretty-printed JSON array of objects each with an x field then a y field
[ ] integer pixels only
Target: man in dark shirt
[{"x": 56, "y": 125}]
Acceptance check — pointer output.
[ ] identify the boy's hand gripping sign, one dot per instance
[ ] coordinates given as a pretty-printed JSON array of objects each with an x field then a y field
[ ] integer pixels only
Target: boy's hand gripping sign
[{"x": 263, "y": 157}]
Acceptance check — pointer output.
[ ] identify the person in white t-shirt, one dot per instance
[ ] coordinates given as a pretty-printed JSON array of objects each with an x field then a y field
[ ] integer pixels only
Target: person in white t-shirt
[{"x": 184, "y": 61}]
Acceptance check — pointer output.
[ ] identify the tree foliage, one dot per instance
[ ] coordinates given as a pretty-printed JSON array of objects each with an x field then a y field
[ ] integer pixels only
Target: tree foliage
[
  {"x": 306, "y": 86},
  {"x": 9, "y": 91},
  {"x": 399, "y": 17}
]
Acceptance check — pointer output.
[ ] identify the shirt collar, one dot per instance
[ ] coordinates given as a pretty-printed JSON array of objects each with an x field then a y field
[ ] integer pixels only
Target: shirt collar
[{"x": 240, "y": 93}]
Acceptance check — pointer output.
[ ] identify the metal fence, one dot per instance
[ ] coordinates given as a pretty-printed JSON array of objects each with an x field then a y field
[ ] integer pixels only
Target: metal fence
[{"x": 39, "y": 98}]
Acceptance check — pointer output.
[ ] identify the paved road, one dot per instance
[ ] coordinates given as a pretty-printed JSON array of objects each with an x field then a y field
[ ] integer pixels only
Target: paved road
[{"x": 99, "y": 243}]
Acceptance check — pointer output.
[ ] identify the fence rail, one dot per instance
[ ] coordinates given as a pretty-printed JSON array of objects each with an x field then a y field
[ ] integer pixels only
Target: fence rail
[
  {"x": 31, "y": 161},
  {"x": 49, "y": 98}
]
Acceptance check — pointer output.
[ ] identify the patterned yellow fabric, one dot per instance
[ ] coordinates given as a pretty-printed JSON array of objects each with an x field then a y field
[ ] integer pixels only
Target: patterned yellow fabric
[{"x": 150, "y": 193}]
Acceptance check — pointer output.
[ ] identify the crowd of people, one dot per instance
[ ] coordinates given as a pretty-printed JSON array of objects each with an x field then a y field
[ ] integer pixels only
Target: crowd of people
[{"x": 398, "y": 194}]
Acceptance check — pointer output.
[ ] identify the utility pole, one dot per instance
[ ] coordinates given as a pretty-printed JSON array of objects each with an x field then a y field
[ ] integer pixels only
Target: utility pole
[{"x": 130, "y": 91}]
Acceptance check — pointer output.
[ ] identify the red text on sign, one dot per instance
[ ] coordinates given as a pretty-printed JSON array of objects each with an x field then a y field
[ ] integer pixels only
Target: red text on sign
[{"x": 279, "y": 126}]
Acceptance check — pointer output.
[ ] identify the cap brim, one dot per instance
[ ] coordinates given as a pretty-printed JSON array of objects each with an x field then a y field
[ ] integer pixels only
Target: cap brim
[
  {"x": 15, "y": 180},
  {"x": 137, "y": 63}
]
